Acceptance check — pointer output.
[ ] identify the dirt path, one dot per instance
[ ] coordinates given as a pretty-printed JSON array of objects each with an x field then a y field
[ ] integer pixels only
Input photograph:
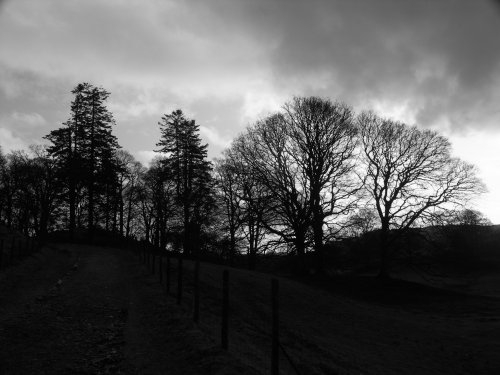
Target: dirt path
[{"x": 90, "y": 310}]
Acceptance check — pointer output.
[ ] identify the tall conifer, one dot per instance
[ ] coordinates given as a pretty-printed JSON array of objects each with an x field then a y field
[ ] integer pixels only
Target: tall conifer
[{"x": 186, "y": 164}]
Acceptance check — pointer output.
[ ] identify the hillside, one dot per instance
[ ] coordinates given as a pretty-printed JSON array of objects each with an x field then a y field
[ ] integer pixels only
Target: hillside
[{"x": 83, "y": 309}]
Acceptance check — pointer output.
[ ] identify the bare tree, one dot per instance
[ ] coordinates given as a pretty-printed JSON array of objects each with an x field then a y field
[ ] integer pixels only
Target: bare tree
[
  {"x": 470, "y": 217},
  {"x": 227, "y": 182},
  {"x": 265, "y": 150},
  {"x": 256, "y": 200},
  {"x": 362, "y": 222},
  {"x": 410, "y": 174},
  {"x": 47, "y": 188},
  {"x": 129, "y": 173},
  {"x": 244, "y": 201},
  {"x": 136, "y": 173},
  {"x": 322, "y": 144},
  {"x": 304, "y": 157}
]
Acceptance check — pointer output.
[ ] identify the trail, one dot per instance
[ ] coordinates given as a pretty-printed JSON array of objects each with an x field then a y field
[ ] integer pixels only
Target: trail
[{"x": 93, "y": 310}]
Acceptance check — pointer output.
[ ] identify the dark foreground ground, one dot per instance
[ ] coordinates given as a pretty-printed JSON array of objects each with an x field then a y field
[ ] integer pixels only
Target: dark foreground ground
[{"x": 90, "y": 310}]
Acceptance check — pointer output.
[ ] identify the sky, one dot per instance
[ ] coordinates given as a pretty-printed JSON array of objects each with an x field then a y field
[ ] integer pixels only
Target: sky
[{"x": 228, "y": 63}]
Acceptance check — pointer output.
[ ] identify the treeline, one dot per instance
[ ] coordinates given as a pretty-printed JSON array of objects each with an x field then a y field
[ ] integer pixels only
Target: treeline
[
  {"x": 294, "y": 181},
  {"x": 316, "y": 172}
]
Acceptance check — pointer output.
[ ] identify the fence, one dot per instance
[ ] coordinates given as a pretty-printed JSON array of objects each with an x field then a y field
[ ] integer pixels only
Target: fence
[
  {"x": 14, "y": 248},
  {"x": 251, "y": 336}
]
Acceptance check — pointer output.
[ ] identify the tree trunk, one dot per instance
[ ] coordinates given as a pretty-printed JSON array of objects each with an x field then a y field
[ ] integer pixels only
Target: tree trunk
[
  {"x": 251, "y": 249},
  {"x": 106, "y": 217},
  {"x": 92, "y": 167},
  {"x": 129, "y": 217},
  {"x": 383, "y": 249},
  {"x": 9, "y": 210},
  {"x": 300, "y": 248},
  {"x": 72, "y": 207},
  {"x": 186, "y": 247},
  {"x": 44, "y": 222},
  {"x": 232, "y": 244},
  {"x": 121, "y": 212}
]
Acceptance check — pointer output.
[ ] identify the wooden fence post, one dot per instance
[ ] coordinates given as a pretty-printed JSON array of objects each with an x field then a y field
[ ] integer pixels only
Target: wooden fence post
[
  {"x": 179, "y": 280},
  {"x": 225, "y": 309},
  {"x": 275, "y": 327}
]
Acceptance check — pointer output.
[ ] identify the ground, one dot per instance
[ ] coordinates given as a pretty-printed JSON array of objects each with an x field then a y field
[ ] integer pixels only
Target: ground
[
  {"x": 87, "y": 310},
  {"x": 94, "y": 310}
]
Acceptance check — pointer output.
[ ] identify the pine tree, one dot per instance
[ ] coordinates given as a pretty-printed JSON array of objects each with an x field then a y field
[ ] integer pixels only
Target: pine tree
[
  {"x": 67, "y": 146},
  {"x": 83, "y": 148},
  {"x": 186, "y": 165},
  {"x": 101, "y": 143}
]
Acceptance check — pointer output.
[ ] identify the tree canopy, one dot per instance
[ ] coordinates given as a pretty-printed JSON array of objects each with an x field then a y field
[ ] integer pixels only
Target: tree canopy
[{"x": 410, "y": 175}]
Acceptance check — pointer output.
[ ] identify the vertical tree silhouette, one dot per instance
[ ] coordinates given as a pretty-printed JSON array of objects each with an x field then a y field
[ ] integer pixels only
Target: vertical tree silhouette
[
  {"x": 28, "y": 190},
  {"x": 305, "y": 158},
  {"x": 101, "y": 144},
  {"x": 227, "y": 177},
  {"x": 410, "y": 175},
  {"x": 46, "y": 190},
  {"x": 323, "y": 142},
  {"x": 83, "y": 148},
  {"x": 245, "y": 202},
  {"x": 4, "y": 188},
  {"x": 186, "y": 164}
]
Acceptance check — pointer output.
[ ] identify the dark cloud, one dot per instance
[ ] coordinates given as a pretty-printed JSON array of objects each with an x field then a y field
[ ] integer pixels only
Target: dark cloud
[
  {"x": 433, "y": 62},
  {"x": 440, "y": 59},
  {"x": 418, "y": 52},
  {"x": 228, "y": 62}
]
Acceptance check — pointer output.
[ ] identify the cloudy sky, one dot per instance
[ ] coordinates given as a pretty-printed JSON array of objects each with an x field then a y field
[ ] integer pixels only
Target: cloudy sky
[{"x": 434, "y": 63}]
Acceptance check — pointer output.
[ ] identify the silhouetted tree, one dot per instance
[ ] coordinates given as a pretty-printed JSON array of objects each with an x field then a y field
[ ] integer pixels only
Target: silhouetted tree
[
  {"x": 362, "y": 222},
  {"x": 47, "y": 189},
  {"x": 226, "y": 183},
  {"x": 264, "y": 149},
  {"x": 304, "y": 159},
  {"x": 130, "y": 173},
  {"x": 28, "y": 190},
  {"x": 322, "y": 142},
  {"x": 101, "y": 143},
  {"x": 146, "y": 205},
  {"x": 409, "y": 175},
  {"x": 4, "y": 187},
  {"x": 186, "y": 164},
  {"x": 245, "y": 203},
  {"x": 161, "y": 194},
  {"x": 67, "y": 148},
  {"x": 84, "y": 148},
  {"x": 469, "y": 216}
]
